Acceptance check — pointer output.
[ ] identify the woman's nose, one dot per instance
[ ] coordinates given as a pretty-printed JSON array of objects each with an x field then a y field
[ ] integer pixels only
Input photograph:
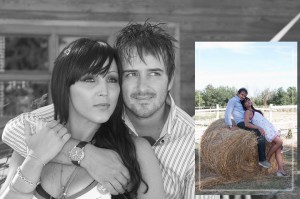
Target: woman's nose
[{"x": 102, "y": 89}]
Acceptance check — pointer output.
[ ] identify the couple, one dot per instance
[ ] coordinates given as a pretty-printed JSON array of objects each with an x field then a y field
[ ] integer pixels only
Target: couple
[
  {"x": 247, "y": 117},
  {"x": 87, "y": 143}
]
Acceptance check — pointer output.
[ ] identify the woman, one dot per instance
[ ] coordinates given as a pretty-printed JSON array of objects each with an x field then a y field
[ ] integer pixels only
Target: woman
[
  {"x": 86, "y": 96},
  {"x": 271, "y": 134}
]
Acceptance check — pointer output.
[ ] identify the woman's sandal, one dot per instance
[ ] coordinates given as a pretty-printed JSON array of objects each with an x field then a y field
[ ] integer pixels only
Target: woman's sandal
[{"x": 280, "y": 174}]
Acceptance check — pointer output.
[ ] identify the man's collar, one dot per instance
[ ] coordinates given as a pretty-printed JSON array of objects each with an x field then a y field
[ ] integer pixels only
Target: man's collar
[
  {"x": 237, "y": 98},
  {"x": 167, "y": 126}
]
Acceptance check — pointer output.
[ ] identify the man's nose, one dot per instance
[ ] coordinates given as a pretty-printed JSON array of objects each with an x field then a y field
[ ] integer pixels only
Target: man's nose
[{"x": 143, "y": 83}]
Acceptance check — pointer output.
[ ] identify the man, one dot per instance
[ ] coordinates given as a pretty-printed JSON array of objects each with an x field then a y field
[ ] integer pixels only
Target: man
[
  {"x": 235, "y": 109},
  {"x": 147, "y": 54}
]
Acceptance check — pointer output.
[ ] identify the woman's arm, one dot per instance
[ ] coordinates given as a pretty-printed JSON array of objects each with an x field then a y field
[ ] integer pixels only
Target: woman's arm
[
  {"x": 150, "y": 171},
  {"x": 43, "y": 146},
  {"x": 247, "y": 118},
  {"x": 15, "y": 161},
  {"x": 15, "y": 186}
]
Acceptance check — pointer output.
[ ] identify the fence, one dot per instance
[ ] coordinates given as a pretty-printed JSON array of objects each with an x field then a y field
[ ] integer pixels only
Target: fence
[
  {"x": 271, "y": 109},
  {"x": 223, "y": 197}
]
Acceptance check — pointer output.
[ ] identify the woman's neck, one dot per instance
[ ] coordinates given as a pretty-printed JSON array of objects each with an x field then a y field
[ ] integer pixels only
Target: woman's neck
[
  {"x": 250, "y": 109},
  {"x": 82, "y": 130}
]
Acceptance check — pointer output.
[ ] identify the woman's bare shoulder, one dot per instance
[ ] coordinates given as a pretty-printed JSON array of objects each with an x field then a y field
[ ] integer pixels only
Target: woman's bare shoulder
[{"x": 140, "y": 142}]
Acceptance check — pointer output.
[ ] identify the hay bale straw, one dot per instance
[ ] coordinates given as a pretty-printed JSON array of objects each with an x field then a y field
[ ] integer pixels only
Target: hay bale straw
[{"x": 232, "y": 155}]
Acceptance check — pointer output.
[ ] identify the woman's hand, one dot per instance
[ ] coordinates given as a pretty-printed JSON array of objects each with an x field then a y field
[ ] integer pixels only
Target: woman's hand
[
  {"x": 48, "y": 140},
  {"x": 262, "y": 131}
]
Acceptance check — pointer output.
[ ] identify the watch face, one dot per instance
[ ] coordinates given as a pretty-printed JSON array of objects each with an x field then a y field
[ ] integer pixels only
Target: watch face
[{"x": 76, "y": 154}]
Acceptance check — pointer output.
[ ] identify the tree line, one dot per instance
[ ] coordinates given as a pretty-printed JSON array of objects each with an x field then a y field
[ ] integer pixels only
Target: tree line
[{"x": 210, "y": 96}]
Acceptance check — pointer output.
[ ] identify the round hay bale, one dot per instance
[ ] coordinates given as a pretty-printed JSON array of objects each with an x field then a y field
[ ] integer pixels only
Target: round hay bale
[{"x": 232, "y": 155}]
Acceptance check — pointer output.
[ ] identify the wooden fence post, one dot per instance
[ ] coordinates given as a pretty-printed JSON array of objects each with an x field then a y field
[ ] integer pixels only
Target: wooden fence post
[
  {"x": 270, "y": 113},
  {"x": 218, "y": 111}
]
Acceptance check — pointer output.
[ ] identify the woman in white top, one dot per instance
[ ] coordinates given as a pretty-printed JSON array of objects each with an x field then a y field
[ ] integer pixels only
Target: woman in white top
[
  {"x": 271, "y": 134},
  {"x": 85, "y": 90}
]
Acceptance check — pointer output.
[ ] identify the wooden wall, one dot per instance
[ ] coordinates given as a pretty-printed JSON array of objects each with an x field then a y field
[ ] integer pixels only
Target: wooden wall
[{"x": 198, "y": 20}]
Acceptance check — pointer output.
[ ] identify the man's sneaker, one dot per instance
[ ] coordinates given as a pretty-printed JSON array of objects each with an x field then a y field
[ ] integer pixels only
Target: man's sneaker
[{"x": 265, "y": 164}]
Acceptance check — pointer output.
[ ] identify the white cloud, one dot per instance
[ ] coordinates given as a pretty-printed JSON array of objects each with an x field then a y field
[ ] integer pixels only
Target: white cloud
[{"x": 237, "y": 47}]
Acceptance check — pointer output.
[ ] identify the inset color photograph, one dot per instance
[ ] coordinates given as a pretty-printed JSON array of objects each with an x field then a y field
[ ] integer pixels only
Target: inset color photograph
[{"x": 245, "y": 117}]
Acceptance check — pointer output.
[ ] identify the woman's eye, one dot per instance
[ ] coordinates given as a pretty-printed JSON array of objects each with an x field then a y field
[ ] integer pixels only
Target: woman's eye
[
  {"x": 112, "y": 80},
  {"x": 88, "y": 79}
]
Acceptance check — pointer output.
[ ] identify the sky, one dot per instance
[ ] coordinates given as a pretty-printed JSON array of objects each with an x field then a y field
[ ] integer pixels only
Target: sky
[{"x": 253, "y": 65}]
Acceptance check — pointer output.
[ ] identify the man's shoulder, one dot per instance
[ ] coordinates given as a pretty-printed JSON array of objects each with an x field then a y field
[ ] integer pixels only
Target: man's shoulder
[
  {"x": 185, "y": 119},
  {"x": 233, "y": 99},
  {"x": 46, "y": 112}
]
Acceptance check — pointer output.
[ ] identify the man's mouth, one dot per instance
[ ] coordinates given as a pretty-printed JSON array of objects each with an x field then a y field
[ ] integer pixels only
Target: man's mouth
[
  {"x": 143, "y": 97},
  {"x": 139, "y": 96}
]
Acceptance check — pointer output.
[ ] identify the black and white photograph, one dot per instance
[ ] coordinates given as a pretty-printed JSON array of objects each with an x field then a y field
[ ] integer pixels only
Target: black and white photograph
[{"x": 94, "y": 107}]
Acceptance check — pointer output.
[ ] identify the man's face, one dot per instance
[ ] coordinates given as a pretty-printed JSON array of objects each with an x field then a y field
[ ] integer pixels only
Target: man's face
[
  {"x": 145, "y": 85},
  {"x": 242, "y": 95}
]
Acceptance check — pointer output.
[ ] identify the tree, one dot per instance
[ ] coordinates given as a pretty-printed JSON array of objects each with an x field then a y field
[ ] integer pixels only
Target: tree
[
  {"x": 277, "y": 97},
  {"x": 219, "y": 95},
  {"x": 198, "y": 99},
  {"x": 265, "y": 97},
  {"x": 292, "y": 95},
  {"x": 280, "y": 97}
]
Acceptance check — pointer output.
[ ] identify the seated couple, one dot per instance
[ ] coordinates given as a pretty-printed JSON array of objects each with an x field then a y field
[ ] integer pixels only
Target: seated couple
[{"x": 247, "y": 117}]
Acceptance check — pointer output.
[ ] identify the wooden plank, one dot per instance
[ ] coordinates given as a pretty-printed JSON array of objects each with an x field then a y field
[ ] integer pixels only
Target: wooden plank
[
  {"x": 25, "y": 76},
  {"x": 252, "y": 7}
]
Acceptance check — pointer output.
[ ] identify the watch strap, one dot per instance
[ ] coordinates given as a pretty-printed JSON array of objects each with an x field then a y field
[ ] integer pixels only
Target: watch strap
[{"x": 79, "y": 145}]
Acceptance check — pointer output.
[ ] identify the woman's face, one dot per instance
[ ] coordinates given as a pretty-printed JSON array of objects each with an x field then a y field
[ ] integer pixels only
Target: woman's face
[
  {"x": 248, "y": 103},
  {"x": 94, "y": 98}
]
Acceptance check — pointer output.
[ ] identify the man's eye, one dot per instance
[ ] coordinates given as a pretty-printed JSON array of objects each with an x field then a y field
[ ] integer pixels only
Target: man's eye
[
  {"x": 130, "y": 74},
  {"x": 154, "y": 74}
]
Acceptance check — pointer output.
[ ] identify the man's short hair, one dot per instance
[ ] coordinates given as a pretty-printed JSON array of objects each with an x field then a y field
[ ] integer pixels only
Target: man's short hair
[
  {"x": 242, "y": 90},
  {"x": 146, "y": 39}
]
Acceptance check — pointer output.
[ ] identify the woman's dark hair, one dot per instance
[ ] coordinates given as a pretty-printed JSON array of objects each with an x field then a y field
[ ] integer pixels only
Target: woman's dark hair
[
  {"x": 86, "y": 56},
  {"x": 246, "y": 100}
]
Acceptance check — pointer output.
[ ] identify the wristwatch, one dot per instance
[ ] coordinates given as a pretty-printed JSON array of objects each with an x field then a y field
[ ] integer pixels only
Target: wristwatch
[{"x": 77, "y": 153}]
